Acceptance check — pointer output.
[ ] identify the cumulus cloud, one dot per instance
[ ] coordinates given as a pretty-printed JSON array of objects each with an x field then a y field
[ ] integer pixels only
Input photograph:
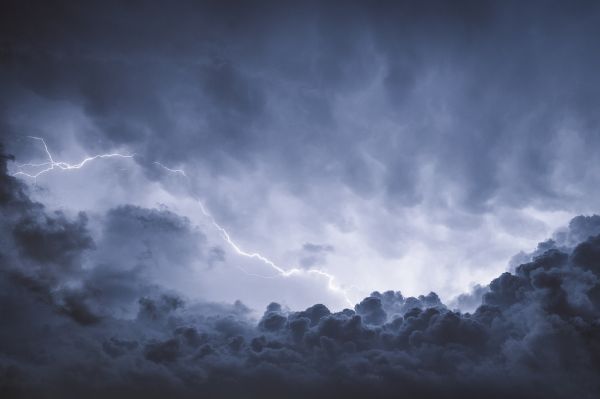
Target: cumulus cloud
[
  {"x": 534, "y": 333},
  {"x": 402, "y": 147}
]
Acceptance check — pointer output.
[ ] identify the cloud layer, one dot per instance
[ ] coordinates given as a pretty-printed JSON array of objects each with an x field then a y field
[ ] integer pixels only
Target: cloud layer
[
  {"x": 407, "y": 136},
  {"x": 400, "y": 147},
  {"x": 72, "y": 328}
]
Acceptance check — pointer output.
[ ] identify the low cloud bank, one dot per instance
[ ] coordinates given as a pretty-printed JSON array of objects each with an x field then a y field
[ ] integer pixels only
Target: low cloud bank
[{"x": 71, "y": 329}]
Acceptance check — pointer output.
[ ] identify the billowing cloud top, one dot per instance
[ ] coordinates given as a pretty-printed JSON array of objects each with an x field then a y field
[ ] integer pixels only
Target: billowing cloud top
[{"x": 73, "y": 327}]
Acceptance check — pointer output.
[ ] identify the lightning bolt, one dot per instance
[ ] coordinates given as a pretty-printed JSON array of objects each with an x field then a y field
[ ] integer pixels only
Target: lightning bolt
[
  {"x": 178, "y": 171},
  {"x": 331, "y": 285},
  {"x": 51, "y": 165}
]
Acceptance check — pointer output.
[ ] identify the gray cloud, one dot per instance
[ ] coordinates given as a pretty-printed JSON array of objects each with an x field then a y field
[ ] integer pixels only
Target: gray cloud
[
  {"x": 539, "y": 323},
  {"x": 464, "y": 89},
  {"x": 314, "y": 254},
  {"x": 411, "y": 129},
  {"x": 362, "y": 114}
]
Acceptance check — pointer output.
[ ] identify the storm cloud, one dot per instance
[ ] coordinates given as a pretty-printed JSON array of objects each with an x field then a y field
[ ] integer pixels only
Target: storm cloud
[
  {"x": 433, "y": 163},
  {"x": 458, "y": 84},
  {"x": 534, "y": 334},
  {"x": 389, "y": 123}
]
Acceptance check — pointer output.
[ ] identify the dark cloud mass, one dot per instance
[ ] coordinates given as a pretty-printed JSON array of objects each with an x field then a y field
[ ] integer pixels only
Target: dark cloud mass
[
  {"x": 398, "y": 122},
  {"x": 536, "y": 332},
  {"x": 479, "y": 93}
]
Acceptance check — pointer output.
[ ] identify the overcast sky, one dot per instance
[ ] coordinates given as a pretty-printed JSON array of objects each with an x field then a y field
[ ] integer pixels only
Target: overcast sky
[
  {"x": 323, "y": 199},
  {"x": 415, "y": 147}
]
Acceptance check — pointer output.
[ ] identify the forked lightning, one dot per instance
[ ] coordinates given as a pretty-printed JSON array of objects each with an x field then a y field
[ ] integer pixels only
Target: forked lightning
[{"x": 51, "y": 164}]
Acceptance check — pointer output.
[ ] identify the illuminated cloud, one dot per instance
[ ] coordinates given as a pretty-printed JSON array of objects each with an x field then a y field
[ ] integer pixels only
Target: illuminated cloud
[{"x": 386, "y": 167}]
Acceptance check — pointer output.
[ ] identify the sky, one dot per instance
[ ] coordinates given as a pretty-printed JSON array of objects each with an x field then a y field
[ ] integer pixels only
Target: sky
[
  {"x": 283, "y": 155},
  {"x": 414, "y": 142}
]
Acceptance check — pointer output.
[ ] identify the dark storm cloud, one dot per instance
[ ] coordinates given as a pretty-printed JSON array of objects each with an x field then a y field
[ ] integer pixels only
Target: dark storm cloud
[
  {"x": 495, "y": 103},
  {"x": 535, "y": 333},
  {"x": 55, "y": 258},
  {"x": 150, "y": 235},
  {"x": 471, "y": 300},
  {"x": 482, "y": 93},
  {"x": 580, "y": 229},
  {"x": 52, "y": 239}
]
